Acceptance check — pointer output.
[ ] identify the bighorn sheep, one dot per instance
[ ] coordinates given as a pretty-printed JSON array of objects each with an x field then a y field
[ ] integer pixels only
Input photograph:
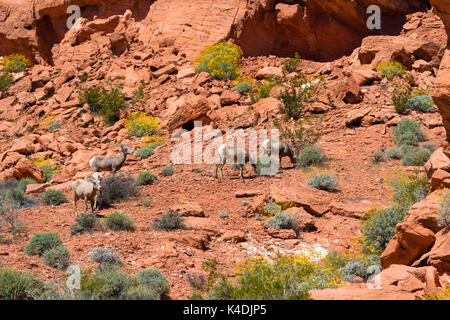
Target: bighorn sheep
[
  {"x": 281, "y": 147},
  {"x": 98, "y": 177},
  {"x": 86, "y": 189},
  {"x": 235, "y": 153},
  {"x": 110, "y": 163}
]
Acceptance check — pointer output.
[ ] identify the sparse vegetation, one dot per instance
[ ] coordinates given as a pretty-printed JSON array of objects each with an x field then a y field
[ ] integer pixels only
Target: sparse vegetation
[
  {"x": 281, "y": 221},
  {"x": 106, "y": 103},
  {"x": 364, "y": 267},
  {"x": 243, "y": 87},
  {"x": 416, "y": 157},
  {"x": 168, "y": 171},
  {"x": 400, "y": 97},
  {"x": 310, "y": 156},
  {"x": 169, "y": 221},
  {"x": 53, "y": 197},
  {"x": 57, "y": 257},
  {"x": 15, "y": 285},
  {"x": 272, "y": 209},
  {"x": 283, "y": 278},
  {"x": 443, "y": 219},
  {"x": 5, "y": 82},
  {"x": 15, "y": 63},
  {"x": 422, "y": 103},
  {"x": 117, "y": 188},
  {"x": 54, "y": 126},
  {"x": 144, "y": 153},
  {"x": 42, "y": 242},
  {"x": 379, "y": 228},
  {"x": 290, "y": 64},
  {"x": 119, "y": 221},
  {"x": 408, "y": 132},
  {"x": 323, "y": 182},
  {"x": 84, "y": 222},
  {"x": 48, "y": 166},
  {"x": 146, "y": 178},
  {"x": 105, "y": 256},
  {"x": 220, "y": 60},
  {"x": 391, "y": 69}
]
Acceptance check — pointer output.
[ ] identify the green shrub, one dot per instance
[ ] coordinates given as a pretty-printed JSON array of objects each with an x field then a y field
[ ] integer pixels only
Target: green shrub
[
  {"x": 400, "y": 97},
  {"x": 443, "y": 219},
  {"x": 84, "y": 222},
  {"x": 391, "y": 69},
  {"x": 5, "y": 81},
  {"x": 283, "y": 278},
  {"x": 15, "y": 63},
  {"x": 106, "y": 103},
  {"x": 53, "y": 197},
  {"x": 323, "y": 182},
  {"x": 169, "y": 221},
  {"x": 147, "y": 203},
  {"x": 365, "y": 268},
  {"x": 15, "y": 285},
  {"x": 409, "y": 190},
  {"x": 153, "y": 279},
  {"x": 42, "y": 242},
  {"x": 23, "y": 183},
  {"x": 378, "y": 156},
  {"x": 422, "y": 103},
  {"x": 290, "y": 64},
  {"x": 281, "y": 221},
  {"x": 114, "y": 283},
  {"x": 57, "y": 257},
  {"x": 429, "y": 146},
  {"x": 243, "y": 87},
  {"x": 167, "y": 171},
  {"x": 119, "y": 221},
  {"x": 144, "y": 153},
  {"x": 146, "y": 178},
  {"x": 221, "y": 61},
  {"x": 83, "y": 77},
  {"x": 394, "y": 154},
  {"x": 266, "y": 165},
  {"x": 379, "y": 228},
  {"x": 416, "y": 157},
  {"x": 261, "y": 91},
  {"x": 407, "y": 131},
  {"x": 310, "y": 156},
  {"x": 105, "y": 256},
  {"x": 117, "y": 188},
  {"x": 297, "y": 95},
  {"x": 12, "y": 195},
  {"x": 54, "y": 126}
]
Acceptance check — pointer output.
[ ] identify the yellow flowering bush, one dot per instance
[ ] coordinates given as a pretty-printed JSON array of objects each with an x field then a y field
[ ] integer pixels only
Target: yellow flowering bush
[
  {"x": 154, "y": 141},
  {"x": 442, "y": 295},
  {"x": 220, "y": 60},
  {"x": 48, "y": 167},
  {"x": 391, "y": 69},
  {"x": 141, "y": 125},
  {"x": 47, "y": 120},
  {"x": 15, "y": 63}
]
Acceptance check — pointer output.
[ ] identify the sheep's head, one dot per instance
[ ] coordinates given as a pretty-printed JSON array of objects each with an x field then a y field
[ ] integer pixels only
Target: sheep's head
[
  {"x": 126, "y": 149},
  {"x": 95, "y": 182}
]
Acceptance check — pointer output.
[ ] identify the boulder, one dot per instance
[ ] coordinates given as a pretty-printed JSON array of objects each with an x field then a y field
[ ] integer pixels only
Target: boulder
[
  {"x": 416, "y": 234},
  {"x": 269, "y": 72},
  {"x": 25, "y": 168}
]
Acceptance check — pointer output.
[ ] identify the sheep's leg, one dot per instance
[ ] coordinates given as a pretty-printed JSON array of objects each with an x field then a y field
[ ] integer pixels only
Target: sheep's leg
[
  {"x": 93, "y": 204},
  {"x": 99, "y": 203},
  {"x": 217, "y": 169},
  {"x": 221, "y": 170},
  {"x": 75, "y": 207},
  {"x": 85, "y": 204}
]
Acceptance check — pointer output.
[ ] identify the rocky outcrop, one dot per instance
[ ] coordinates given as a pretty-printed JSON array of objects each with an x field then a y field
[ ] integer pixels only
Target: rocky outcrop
[
  {"x": 441, "y": 94},
  {"x": 261, "y": 27},
  {"x": 417, "y": 235}
]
